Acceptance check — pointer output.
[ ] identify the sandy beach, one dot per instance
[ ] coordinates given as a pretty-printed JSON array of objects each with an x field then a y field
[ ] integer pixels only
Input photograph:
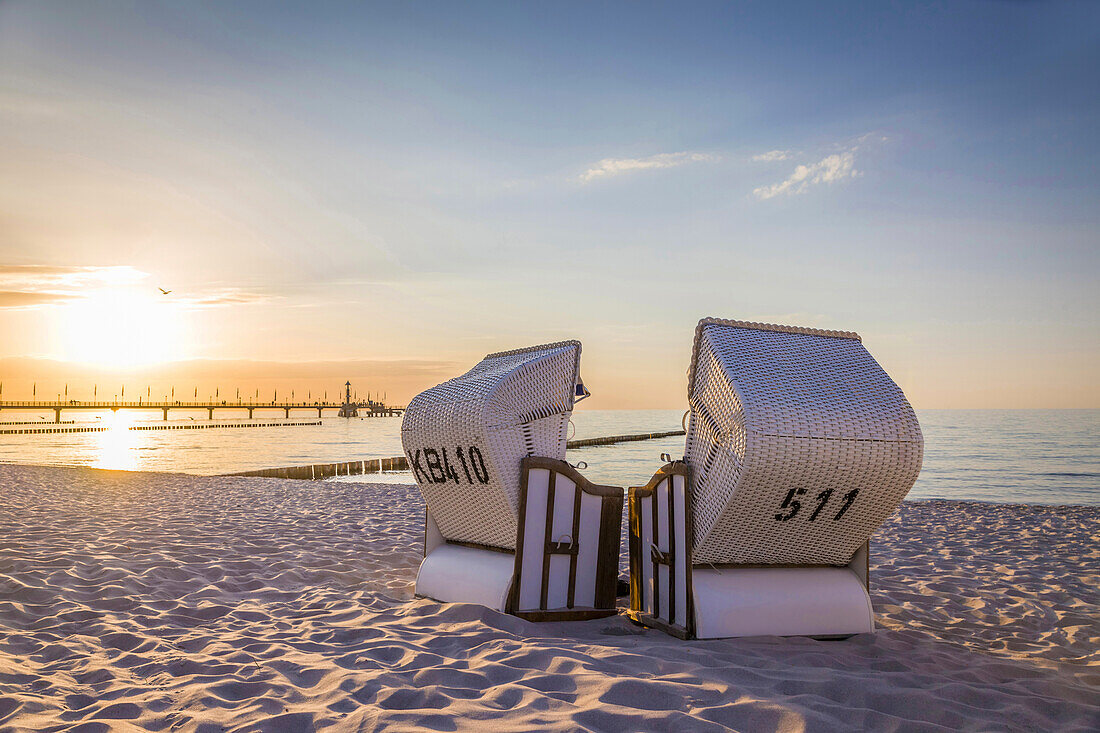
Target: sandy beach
[{"x": 165, "y": 602}]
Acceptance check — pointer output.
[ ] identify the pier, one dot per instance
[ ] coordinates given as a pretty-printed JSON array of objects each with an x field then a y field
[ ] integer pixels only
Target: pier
[
  {"x": 351, "y": 407},
  {"x": 52, "y": 429},
  {"x": 348, "y": 408}
]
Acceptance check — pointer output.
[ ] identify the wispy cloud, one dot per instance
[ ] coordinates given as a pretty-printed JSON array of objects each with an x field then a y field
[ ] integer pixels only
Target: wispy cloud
[
  {"x": 25, "y": 299},
  {"x": 615, "y": 166},
  {"x": 34, "y": 286},
  {"x": 829, "y": 169},
  {"x": 772, "y": 156},
  {"x": 223, "y": 297},
  {"x": 60, "y": 276}
]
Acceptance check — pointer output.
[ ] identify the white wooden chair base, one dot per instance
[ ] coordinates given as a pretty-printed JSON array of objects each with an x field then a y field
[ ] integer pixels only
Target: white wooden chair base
[
  {"x": 819, "y": 602},
  {"x": 566, "y": 565},
  {"x": 458, "y": 574},
  {"x": 669, "y": 592}
]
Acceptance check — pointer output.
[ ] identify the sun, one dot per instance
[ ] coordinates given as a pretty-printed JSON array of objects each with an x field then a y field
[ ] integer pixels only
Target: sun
[{"x": 121, "y": 327}]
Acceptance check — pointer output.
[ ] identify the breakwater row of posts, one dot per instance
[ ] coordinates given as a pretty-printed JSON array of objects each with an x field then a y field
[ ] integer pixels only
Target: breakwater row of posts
[
  {"x": 203, "y": 426},
  {"x": 39, "y": 431},
  {"x": 183, "y": 426},
  {"x": 611, "y": 440},
  {"x": 328, "y": 470},
  {"x": 399, "y": 463}
]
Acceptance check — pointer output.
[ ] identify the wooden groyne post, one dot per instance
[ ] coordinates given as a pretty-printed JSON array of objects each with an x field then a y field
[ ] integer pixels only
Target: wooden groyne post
[
  {"x": 399, "y": 463},
  {"x": 611, "y": 440},
  {"x": 327, "y": 470}
]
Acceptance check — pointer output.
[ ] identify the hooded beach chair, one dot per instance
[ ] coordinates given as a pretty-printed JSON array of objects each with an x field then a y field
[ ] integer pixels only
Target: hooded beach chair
[
  {"x": 799, "y": 446},
  {"x": 509, "y": 524}
]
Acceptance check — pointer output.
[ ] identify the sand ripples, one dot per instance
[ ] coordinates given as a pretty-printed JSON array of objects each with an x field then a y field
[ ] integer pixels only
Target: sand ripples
[{"x": 166, "y": 602}]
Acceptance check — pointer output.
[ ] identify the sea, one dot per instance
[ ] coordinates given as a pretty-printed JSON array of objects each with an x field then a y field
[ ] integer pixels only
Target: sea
[{"x": 1008, "y": 456}]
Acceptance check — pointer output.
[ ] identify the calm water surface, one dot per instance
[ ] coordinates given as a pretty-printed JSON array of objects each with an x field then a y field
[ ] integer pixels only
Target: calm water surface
[{"x": 1029, "y": 456}]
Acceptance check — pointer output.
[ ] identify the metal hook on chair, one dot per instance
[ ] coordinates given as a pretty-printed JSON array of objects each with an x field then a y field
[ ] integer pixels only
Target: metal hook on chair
[
  {"x": 580, "y": 392},
  {"x": 579, "y": 465},
  {"x": 655, "y": 554},
  {"x": 683, "y": 420}
]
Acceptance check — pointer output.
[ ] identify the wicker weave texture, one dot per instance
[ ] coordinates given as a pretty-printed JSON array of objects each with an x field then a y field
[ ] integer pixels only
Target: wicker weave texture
[
  {"x": 480, "y": 426},
  {"x": 800, "y": 445}
]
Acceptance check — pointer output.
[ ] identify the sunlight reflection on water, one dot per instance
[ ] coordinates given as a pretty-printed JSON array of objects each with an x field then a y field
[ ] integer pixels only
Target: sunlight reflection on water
[
  {"x": 1036, "y": 456},
  {"x": 116, "y": 446}
]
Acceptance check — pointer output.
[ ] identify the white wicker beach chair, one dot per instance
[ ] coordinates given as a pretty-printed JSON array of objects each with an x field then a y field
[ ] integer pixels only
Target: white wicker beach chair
[
  {"x": 799, "y": 446},
  {"x": 509, "y": 524}
]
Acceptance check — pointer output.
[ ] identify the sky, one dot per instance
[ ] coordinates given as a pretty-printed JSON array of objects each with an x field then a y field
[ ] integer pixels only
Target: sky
[{"x": 388, "y": 192}]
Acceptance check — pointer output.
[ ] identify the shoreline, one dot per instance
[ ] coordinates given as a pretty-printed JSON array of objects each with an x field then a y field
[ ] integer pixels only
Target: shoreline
[
  {"x": 174, "y": 601},
  {"x": 251, "y": 474}
]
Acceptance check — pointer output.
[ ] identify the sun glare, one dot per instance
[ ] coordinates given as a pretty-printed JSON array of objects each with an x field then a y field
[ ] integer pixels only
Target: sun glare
[
  {"x": 117, "y": 444},
  {"x": 121, "y": 328}
]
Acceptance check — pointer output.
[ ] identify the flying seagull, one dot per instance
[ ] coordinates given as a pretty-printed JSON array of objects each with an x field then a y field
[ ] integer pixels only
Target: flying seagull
[{"x": 163, "y": 291}]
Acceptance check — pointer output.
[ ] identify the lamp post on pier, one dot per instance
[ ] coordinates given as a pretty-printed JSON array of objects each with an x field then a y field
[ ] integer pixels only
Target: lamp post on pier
[{"x": 349, "y": 408}]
